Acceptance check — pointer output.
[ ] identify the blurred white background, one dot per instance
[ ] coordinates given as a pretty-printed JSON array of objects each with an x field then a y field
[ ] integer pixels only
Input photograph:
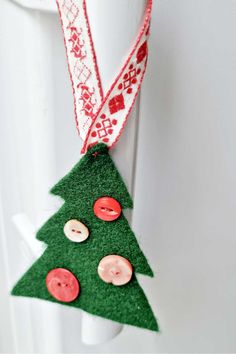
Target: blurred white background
[{"x": 185, "y": 186}]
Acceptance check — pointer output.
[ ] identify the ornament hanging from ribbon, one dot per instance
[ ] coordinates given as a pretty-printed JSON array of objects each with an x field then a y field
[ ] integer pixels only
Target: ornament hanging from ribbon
[{"x": 92, "y": 254}]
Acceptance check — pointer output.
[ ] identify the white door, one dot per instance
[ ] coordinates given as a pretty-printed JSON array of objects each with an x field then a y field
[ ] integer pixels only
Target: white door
[{"x": 185, "y": 181}]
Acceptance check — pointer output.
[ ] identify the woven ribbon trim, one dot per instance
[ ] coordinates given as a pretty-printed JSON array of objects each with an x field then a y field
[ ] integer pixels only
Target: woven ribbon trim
[{"x": 99, "y": 118}]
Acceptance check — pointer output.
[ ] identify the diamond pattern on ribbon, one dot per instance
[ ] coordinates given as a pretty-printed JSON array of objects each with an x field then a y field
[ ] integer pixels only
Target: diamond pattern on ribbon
[
  {"x": 82, "y": 72},
  {"x": 77, "y": 43},
  {"x": 116, "y": 103},
  {"x": 142, "y": 52},
  {"x": 130, "y": 78},
  {"x": 70, "y": 10},
  {"x": 104, "y": 131},
  {"x": 87, "y": 100}
]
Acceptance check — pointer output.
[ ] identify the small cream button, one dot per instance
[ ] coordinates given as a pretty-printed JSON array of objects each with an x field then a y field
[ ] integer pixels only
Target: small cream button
[{"x": 76, "y": 231}]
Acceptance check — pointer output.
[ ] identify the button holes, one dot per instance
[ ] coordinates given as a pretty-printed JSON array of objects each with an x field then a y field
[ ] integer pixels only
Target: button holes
[
  {"x": 77, "y": 231},
  {"x": 106, "y": 209}
]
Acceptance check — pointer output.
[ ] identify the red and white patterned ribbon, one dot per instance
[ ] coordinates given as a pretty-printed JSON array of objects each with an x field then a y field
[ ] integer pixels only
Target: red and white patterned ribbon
[{"x": 98, "y": 118}]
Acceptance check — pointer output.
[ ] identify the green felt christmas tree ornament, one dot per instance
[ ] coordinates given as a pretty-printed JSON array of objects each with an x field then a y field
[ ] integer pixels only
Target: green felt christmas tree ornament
[
  {"x": 80, "y": 248},
  {"x": 92, "y": 255}
]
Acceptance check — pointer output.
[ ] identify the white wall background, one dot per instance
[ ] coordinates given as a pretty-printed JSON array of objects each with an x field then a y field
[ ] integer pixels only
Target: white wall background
[{"x": 185, "y": 195}]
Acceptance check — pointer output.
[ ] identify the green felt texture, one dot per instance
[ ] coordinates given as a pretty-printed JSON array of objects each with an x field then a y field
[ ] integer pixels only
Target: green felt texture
[{"x": 93, "y": 177}]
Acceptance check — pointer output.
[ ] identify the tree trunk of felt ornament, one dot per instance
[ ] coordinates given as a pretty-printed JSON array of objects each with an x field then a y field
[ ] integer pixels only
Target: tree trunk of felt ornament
[{"x": 92, "y": 254}]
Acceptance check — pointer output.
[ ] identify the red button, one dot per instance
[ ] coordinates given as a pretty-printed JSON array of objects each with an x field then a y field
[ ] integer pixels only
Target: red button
[
  {"x": 107, "y": 209},
  {"x": 62, "y": 285}
]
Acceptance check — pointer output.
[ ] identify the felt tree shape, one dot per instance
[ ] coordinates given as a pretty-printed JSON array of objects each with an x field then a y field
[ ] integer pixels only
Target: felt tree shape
[{"x": 92, "y": 254}]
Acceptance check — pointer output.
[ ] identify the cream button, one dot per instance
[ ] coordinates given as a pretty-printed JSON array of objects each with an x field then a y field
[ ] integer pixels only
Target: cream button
[
  {"x": 115, "y": 269},
  {"x": 76, "y": 231}
]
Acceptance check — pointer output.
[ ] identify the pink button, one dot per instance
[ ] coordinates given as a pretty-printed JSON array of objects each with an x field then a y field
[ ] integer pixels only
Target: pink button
[
  {"x": 115, "y": 269},
  {"x": 107, "y": 209},
  {"x": 62, "y": 285}
]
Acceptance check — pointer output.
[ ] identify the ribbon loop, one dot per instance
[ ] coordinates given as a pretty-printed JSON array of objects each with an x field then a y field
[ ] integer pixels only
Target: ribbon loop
[{"x": 100, "y": 119}]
